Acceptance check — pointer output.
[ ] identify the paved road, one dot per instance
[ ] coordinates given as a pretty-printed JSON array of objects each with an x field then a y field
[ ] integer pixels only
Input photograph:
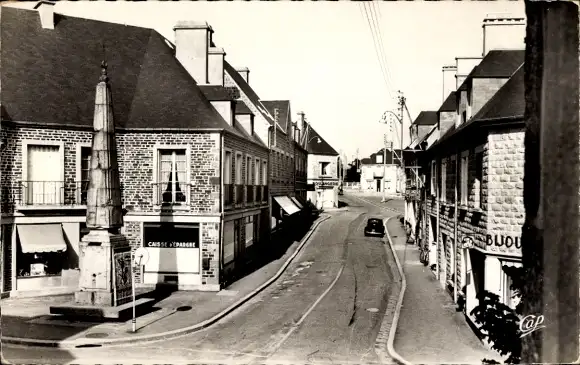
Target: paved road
[{"x": 327, "y": 308}]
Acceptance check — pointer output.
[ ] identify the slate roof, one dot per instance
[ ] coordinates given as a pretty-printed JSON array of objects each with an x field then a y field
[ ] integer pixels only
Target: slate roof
[
  {"x": 284, "y": 111},
  {"x": 250, "y": 93},
  {"x": 450, "y": 104},
  {"x": 508, "y": 101},
  {"x": 322, "y": 148},
  {"x": 496, "y": 64},
  {"x": 242, "y": 108},
  {"x": 49, "y": 76},
  {"x": 426, "y": 118},
  {"x": 390, "y": 157},
  {"x": 219, "y": 93}
]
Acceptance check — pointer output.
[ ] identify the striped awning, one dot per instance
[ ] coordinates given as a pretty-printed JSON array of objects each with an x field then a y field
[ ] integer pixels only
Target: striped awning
[
  {"x": 37, "y": 238},
  {"x": 286, "y": 204}
]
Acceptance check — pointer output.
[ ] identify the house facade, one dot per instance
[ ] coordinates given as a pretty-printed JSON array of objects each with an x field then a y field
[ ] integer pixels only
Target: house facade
[
  {"x": 469, "y": 208},
  {"x": 377, "y": 175},
  {"x": 193, "y": 176},
  {"x": 322, "y": 170}
]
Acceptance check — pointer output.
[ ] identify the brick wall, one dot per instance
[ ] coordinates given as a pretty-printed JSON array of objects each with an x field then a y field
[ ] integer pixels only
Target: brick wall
[
  {"x": 236, "y": 144},
  {"x": 135, "y": 155},
  {"x": 505, "y": 189},
  {"x": 283, "y": 163},
  {"x": 483, "y": 90}
]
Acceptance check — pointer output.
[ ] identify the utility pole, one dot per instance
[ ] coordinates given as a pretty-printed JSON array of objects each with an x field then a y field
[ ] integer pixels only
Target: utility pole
[
  {"x": 384, "y": 169},
  {"x": 402, "y": 101}
]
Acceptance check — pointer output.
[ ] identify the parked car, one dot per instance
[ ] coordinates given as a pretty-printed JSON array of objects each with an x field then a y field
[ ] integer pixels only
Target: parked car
[{"x": 375, "y": 227}]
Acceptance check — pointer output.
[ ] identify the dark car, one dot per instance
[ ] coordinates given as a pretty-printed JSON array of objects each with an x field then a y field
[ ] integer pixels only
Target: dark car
[{"x": 375, "y": 227}]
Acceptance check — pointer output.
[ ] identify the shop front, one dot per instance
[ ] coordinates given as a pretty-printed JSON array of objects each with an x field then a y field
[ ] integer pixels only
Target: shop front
[
  {"x": 243, "y": 235},
  {"x": 41, "y": 258},
  {"x": 173, "y": 253}
]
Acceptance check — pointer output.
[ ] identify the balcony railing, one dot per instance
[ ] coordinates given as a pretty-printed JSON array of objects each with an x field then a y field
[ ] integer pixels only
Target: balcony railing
[
  {"x": 172, "y": 193},
  {"x": 34, "y": 193},
  {"x": 249, "y": 193},
  {"x": 239, "y": 192},
  {"x": 228, "y": 195}
]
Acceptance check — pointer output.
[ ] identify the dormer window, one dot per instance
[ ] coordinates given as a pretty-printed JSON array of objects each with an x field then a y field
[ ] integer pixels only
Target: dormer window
[
  {"x": 464, "y": 117},
  {"x": 379, "y": 158}
]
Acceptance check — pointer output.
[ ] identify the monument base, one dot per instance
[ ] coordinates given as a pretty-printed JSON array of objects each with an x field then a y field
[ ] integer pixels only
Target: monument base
[
  {"x": 105, "y": 278},
  {"x": 102, "y": 313}
]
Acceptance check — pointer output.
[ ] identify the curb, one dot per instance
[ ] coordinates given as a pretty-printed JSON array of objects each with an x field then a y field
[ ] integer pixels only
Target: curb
[
  {"x": 168, "y": 334},
  {"x": 390, "y": 343}
]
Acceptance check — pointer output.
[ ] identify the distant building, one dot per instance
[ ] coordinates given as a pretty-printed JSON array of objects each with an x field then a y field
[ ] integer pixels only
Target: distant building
[{"x": 378, "y": 174}]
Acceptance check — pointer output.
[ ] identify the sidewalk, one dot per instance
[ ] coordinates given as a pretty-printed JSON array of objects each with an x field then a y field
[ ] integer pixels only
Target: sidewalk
[
  {"x": 429, "y": 329},
  {"x": 28, "y": 321}
]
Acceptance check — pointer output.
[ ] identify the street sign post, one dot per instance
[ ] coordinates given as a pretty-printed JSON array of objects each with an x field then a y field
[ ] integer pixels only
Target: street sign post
[{"x": 139, "y": 258}]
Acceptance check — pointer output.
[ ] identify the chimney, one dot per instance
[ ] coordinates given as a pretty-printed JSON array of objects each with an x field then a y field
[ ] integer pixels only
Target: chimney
[
  {"x": 46, "y": 12},
  {"x": 192, "y": 42},
  {"x": 245, "y": 72},
  {"x": 464, "y": 65},
  {"x": 448, "y": 80},
  {"x": 503, "y": 31},
  {"x": 216, "y": 66},
  {"x": 300, "y": 122}
]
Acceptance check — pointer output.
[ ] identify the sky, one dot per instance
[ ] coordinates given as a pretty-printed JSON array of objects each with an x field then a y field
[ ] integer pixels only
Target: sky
[{"x": 321, "y": 55}]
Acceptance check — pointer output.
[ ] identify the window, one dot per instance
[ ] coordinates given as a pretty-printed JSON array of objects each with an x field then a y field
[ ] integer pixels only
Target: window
[
  {"x": 250, "y": 228},
  {"x": 478, "y": 179},
  {"x": 228, "y": 168},
  {"x": 172, "y": 176},
  {"x": 85, "y": 165},
  {"x": 453, "y": 173},
  {"x": 229, "y": 241},
  {"x": 44, "y": 181},
  {"x": 464, "y": 174},
  {"x": 324, "y": 167},
  {"x": 443, "y": 190},
  {"x": 248, "y": 170},
  {"x": 238, "y": 171},
  {"x": 433, "y": 177},
  {"x": 257, "y": 172},
  {"x": 264, "y": 172},
  {"x": 379, "y": 158}
]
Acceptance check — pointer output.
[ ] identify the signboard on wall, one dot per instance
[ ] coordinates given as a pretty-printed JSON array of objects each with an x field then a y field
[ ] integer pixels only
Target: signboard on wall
[
  {"x": 171, "y": 235},
  {"x": 122, "y": 290}
]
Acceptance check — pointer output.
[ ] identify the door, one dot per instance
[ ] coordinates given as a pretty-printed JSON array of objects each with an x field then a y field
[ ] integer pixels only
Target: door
[
  {"x": 378, "y": 185},
  {"x": 44, "y": 185}
]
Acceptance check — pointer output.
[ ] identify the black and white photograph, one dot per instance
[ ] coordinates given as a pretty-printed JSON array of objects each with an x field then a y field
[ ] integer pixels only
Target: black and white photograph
[{"x": 290, "y": 182}]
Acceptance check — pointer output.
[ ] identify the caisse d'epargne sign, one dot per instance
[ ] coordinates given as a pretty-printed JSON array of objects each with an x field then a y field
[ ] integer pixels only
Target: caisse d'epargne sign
[{"x": 171, "y": 244}]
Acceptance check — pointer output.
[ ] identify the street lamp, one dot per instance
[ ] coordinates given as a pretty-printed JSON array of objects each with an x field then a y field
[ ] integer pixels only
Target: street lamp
[
  {"x": 389, "y": 117},
  {"x": 315, "y": 137}
]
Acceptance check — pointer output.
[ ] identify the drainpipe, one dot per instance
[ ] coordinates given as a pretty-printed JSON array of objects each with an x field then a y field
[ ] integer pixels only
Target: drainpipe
[
  {"x": 455, "y": 230},
  {"x": 222, "y": 210}
]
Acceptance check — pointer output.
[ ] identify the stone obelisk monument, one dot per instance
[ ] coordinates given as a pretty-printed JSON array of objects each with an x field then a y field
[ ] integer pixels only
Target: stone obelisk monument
[{"x": 105, "y": 263}]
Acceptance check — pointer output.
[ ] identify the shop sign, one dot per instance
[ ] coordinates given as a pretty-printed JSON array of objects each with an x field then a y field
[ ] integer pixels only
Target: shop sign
[
  {"x": 466, "y": 242},
  {"x": 171, "y": 236},
  {"x": 501, "y": 241}
]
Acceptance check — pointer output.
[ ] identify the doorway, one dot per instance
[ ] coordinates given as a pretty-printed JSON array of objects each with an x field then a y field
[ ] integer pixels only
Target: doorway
[{"x": 378, "y": 182}]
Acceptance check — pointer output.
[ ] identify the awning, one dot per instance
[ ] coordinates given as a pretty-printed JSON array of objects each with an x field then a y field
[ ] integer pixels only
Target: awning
[
  {"x": 286, "y": 204},
  {"x": 35, "y": 238},
  {"x": 297, "y": 203},
  {"x": 511, "y": 263}
]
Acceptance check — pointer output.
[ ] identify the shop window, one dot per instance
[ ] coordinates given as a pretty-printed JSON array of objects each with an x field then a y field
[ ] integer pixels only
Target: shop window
[
  {"x": 250, "y": 230},
  {"x": 41, "y": 251},
  {"x": 229, "y": 242}
]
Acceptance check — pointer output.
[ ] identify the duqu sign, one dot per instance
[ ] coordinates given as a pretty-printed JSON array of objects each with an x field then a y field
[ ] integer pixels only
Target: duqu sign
[
  {"x": 503, "y": 241},
  {"x": 171, "y": 236}
]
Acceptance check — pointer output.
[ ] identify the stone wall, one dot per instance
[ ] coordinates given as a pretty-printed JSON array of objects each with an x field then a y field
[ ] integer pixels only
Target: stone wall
[
  {"x": 483, "y": 90},
  {"x": 505, "y": 190}
]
